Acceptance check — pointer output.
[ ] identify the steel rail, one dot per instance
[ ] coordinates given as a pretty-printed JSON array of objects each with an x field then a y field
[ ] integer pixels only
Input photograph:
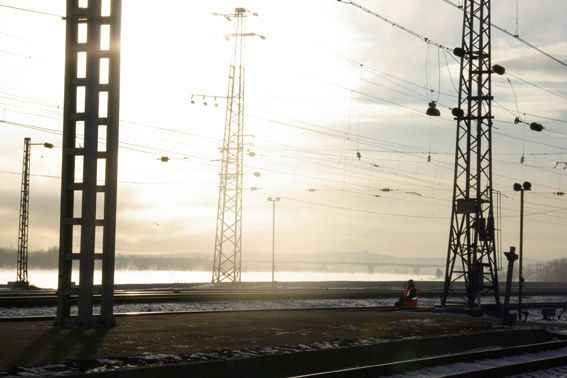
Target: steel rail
[
  {"x": 46, "y": 300},
  {"x": 515, "y": 368},
  {"x": 358, "y": 308},
  {"x": 429, "y": 362},
  {"x": 37, "y": 299}
]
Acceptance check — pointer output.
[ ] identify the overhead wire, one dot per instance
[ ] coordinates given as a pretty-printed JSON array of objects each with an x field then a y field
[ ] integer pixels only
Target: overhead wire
[
  {"x": 135, "y": 149},
  {"x": 346, "y": 208},
  {"x": 163, "y": 128},
  {"x": 538, "y": 86},
  {"x": 439, "y": 217},
  {"x": 15, "y": 54},
  {"x": 514, "y": 36},
  {"x": 395, "y": 24},
  {"x": 32, "y": 11},
  {"x": 311, "y": 177}
]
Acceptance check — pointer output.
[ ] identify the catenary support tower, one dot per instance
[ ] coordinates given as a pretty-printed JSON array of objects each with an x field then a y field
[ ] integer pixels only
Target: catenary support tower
[
  {"x": 22, "y": 266},
  {"x": 228, "y": 239},
  {"x": 471, "y": 255},
  {"x": 89, "y": 160}
]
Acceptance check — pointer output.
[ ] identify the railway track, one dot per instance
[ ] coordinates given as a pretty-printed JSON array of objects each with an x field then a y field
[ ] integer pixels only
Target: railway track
[
  {"x": 357, "y": 308},
  {"x": 160, "y": 296},
  {"x": 527, "y": 358}
]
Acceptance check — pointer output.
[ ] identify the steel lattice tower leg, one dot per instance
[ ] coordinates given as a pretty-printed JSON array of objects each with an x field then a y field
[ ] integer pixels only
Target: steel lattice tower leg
[
  {"x": 22, "y": 266},
  {"x": 471, "y": 252},
  {"x": 89, "y": 161},
  {"x": 228, "y": 240}
]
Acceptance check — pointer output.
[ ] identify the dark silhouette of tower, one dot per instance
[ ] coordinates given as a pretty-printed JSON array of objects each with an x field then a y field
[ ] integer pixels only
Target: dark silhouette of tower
[
  {"x": 89, "y": 160},
  {"x": 22, "y": 266},
  {"x": 471, "y": 254},
  {"x": 23, "y": 225}
]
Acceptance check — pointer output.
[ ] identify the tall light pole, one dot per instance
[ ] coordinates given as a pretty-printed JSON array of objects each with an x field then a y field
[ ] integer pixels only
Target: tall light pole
[
  {"x": 521, "y": 188},
  {"x": 22, "y": 263},
  {"x": 273, "y": 200}
]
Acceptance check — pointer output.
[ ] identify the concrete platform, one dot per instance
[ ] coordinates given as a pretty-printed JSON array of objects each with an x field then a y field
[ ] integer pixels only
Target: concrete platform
[{"x": 35, "y": 343}]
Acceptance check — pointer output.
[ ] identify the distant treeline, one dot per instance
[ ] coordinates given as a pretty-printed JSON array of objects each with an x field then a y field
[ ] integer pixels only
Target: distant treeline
[
  {"x": 48, "y": 259},
  {"x": 552, "y": 271}
]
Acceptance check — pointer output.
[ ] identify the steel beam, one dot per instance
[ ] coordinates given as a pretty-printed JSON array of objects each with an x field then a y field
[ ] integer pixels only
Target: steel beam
[{"x": 90, "y": 145}]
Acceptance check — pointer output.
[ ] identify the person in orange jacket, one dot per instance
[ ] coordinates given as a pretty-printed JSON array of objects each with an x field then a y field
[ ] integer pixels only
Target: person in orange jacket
[{"x": 409, "y": 298}]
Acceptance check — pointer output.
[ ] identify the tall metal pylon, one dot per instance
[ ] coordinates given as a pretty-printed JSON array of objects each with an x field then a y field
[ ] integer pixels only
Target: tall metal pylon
[
  {"x": 228, "y": 239},
  {"x": 89, "y": 160},
  {"x": 22, "y": 266},
  {"x": 471, "y": 255}
]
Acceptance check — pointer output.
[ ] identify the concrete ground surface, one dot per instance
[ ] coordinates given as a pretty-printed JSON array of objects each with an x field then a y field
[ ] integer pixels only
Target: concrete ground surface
[{"x": 38, "y": 342}]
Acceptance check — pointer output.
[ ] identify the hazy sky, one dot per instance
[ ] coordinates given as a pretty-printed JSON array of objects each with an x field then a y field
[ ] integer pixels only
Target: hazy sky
[{"x": 310, "y": 107}]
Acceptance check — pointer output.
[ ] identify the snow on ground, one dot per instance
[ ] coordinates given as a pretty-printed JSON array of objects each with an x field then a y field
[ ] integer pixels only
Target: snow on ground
[
  {"x": 205, "y": 306},
  {"x": 60, "y": 368},
  {"x": 70, "y": 367},
  {"x": 7, "y": 312},
  {"x": 463, "y": 367},
  {"x": 560, "y": 371}
]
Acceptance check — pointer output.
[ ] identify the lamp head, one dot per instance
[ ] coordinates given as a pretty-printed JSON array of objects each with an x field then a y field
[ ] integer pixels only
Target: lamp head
[
  {"x": 536, "y": 127},
  {"x": 527, "y": 185},
  {"x": 432, "y": 110},
  {"x": 459, "y": 51},
  {"x": 517, "y": 187},
  {"x": 498, "y": 69},
  {"x": 458, "y": 112}
]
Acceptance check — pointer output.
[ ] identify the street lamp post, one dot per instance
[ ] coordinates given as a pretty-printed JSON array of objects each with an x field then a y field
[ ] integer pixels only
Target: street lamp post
[
  {"x": 526, "y": 186},
  {"x": 22, "y": 263},
  {"x": 273, "y": 200}
]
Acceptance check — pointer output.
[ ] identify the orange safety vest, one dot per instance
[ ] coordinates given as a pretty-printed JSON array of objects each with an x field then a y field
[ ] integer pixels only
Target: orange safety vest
[{"x": 410, "y": 302}]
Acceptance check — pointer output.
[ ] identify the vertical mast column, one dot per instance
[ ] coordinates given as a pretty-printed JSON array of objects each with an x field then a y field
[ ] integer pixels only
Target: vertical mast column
[{"x": 89, "y": 161}]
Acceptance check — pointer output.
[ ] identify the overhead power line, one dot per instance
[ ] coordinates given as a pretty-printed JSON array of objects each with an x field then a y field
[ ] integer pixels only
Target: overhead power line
[
  {"x": 364, "y": 210},
  {"x": 15, "y": 54},
  {"x": 538, "y": 86},
  {"x": 514, "y": 36},
  {"x": 395, "y": 24},
  {"x": 32, "y": 11}
]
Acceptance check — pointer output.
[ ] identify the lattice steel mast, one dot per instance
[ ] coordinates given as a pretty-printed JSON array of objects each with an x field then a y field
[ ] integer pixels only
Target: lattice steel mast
[
  {"x": 22, "y": 266},
  {"x": 471, "y": 252},
  {"x": 228, "y": 240},
  {"x": 23, "y": 225}
]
